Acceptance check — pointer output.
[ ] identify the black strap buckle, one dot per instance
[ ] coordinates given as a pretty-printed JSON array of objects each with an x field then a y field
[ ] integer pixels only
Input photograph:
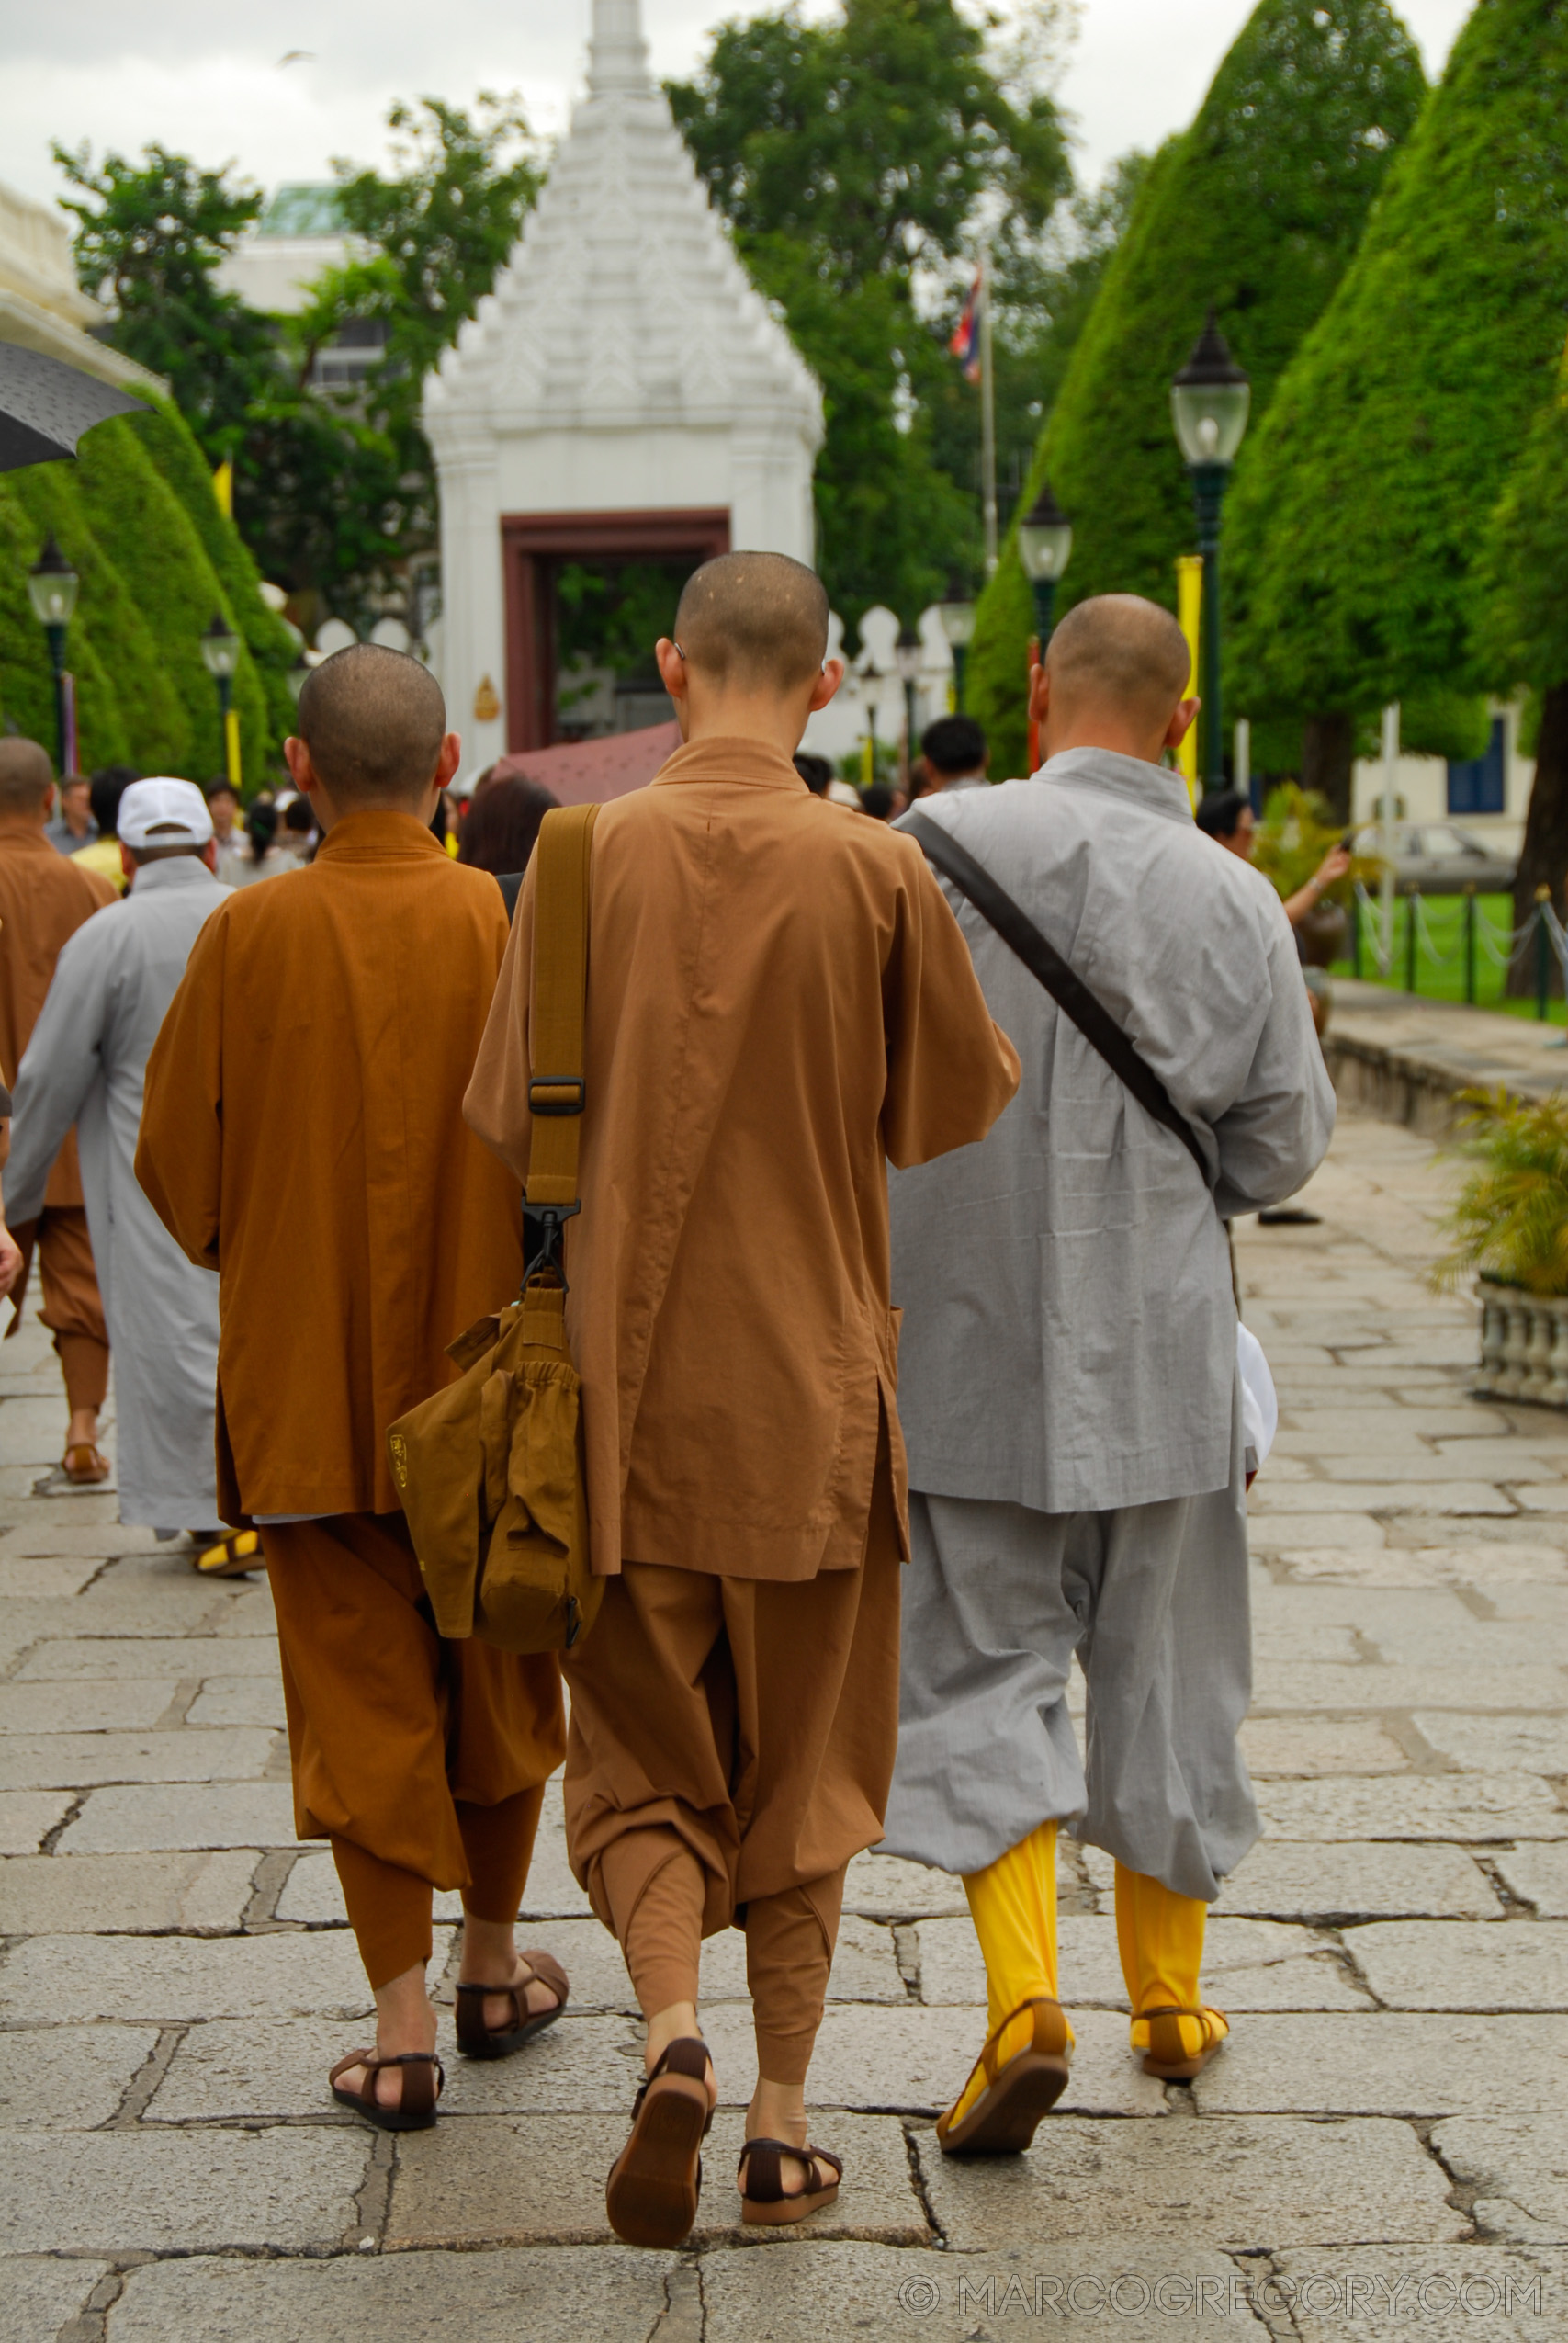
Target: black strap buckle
[
  {"x": 550, "y": 1257},
  {"x": 538, "y": 1105}
]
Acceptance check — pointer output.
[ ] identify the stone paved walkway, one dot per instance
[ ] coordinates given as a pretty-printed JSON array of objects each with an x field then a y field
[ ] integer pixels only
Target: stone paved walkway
[{"x": 1382, "y": 2151}]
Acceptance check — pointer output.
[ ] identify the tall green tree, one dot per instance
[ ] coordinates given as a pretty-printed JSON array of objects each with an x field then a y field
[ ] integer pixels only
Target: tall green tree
[
  {"x": 851, "y": 155},
  {"x": 1357, "y": 511},
  {"x": 1257, "y": 208}
]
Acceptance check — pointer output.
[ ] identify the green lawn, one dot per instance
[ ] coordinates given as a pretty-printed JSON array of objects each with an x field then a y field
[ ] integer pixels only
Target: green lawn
[{"x": 1440, "y": 973}]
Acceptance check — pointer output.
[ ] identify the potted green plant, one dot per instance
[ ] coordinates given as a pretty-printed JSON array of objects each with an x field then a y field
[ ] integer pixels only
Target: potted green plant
[{"x": 1510, "y": 1223}]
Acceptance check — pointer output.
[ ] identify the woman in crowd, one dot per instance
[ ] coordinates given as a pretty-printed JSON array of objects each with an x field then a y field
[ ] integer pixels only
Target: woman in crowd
[{"x": 503, "y": 822}]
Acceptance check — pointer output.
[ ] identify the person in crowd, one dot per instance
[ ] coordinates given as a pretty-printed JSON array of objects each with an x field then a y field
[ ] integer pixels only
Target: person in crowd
[
  {"x": 878, "y": 800},
  {"x": 262, "y": 856},
  {"x": 1227, "y": 817},
  {"x": 317, "y": 1049},
  {"x": 815, "y": 770},
  {"x": 503, "y": 822},
  {"x": 102, "y": 855},
  {"x": 84, "y": 1066},
  {"x": 775, "y": 1005},
  {"x": 299, "y": 832},
  {"x": 228, "y": 831},
  {"x": 1069, "y": 1381},
  {"x": 955, "y": 754},
  {"x": 72, "y": 826},
  {"x": 44, "y": 899}
]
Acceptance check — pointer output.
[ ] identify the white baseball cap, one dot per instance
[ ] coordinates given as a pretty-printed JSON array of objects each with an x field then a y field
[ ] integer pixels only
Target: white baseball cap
[{"x": 163, "y": 813}]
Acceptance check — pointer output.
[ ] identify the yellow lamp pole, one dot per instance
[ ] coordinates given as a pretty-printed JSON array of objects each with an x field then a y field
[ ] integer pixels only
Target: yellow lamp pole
[{"x": 1189, "y": 610}]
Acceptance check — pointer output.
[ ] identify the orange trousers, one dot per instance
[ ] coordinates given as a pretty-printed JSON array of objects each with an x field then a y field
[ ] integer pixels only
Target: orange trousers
[
  {"x": 73, "y": 1307},
  {"x": 422, "y": 1762}
]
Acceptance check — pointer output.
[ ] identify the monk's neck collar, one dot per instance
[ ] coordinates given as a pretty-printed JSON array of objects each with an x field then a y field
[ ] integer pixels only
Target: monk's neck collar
[
  {"x": 733, "y": 757},
  {"x": 16, "y": 831},
  {"x": 376, "y": 835}
]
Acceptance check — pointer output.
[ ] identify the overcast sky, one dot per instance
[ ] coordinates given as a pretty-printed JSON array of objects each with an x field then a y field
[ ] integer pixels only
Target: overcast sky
[{"x": 206, "y": 80}]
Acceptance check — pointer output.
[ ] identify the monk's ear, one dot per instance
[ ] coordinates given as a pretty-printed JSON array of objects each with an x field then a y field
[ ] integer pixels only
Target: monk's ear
[
  {"x": 1181, "y": 722},
  {"x": 827, "y": 684}
]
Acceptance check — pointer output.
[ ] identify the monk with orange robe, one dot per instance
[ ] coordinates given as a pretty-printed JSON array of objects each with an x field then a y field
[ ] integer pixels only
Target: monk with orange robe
[
  {"x": 779, "y": 999},
  {"x": 44, "y": 899},
  {"x": 303, "y": 1135}
]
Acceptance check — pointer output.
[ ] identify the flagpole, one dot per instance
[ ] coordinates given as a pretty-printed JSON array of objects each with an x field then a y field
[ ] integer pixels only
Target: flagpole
[{"x": 987, "y": 415}]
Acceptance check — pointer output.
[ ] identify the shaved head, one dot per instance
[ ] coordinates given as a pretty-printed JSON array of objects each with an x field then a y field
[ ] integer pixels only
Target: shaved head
[
  {"x": 754, "y": 622},
  {"x": 24, "y": 774},
  {"x": 1118, "y": 652},
  {"x": 373, "y": 720}
]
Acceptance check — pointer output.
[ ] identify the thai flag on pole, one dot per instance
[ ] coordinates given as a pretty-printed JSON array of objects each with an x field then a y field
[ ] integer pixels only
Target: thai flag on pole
[{"x": 966, "y": 342}]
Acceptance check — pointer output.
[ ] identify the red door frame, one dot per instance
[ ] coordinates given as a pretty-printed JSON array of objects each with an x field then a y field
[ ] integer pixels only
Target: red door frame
[{"x": 529, "y": 542}]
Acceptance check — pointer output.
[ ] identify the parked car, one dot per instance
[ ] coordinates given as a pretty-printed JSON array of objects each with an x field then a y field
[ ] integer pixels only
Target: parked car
[{"x": 1438, "y": 858}]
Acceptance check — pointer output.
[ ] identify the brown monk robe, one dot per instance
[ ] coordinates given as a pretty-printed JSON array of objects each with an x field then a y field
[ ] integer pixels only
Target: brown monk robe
[
  {"x": 303, "y": 1135},
  {"x": 44, "y": 899},
  {"x": 778, "y": 999}
]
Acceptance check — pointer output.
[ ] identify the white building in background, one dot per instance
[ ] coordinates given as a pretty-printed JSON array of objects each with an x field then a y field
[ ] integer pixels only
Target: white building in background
[
  {"x": 1486, "y": 796},
  {"x": 41, "y": 305},
  {"x": 624, "y": 394}
]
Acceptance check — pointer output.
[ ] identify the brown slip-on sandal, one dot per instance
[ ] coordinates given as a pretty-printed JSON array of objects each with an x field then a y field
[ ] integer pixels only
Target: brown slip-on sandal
[
  {"x": 234, "y": 1554},
  {"x": 1166, "y": 2056},
  {"x": 422, "y": 2072},
  {"x": 1017, "y": 2093},
  {"x": 478, "y": 2040},
  {"x": 655, "y": 2182},
  {"x": 85, "y": 1465},
  {"x": 764, "y": 2204}
]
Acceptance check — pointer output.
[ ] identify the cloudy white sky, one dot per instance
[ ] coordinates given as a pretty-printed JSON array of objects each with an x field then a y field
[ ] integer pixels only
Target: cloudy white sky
[{"x": 206, "y": 80}]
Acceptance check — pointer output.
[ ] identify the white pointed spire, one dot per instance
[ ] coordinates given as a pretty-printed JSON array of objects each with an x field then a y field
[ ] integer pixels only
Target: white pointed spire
[{"x": 617, "y": 53}]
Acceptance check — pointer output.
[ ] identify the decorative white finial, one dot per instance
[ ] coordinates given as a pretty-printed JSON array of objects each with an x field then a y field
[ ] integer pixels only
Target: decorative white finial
[{"x": 617, "y": 53}]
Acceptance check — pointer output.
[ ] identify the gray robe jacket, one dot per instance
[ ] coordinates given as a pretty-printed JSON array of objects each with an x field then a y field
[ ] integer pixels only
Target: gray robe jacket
[
  {"x": 1069, "y": 1330},
  {"x": 86, "y": 1064}
]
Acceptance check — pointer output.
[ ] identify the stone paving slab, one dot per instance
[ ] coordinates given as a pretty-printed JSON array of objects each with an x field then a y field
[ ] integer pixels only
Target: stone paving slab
[
  {"x": 1329, "y": 1883},
  {"x": 38, "y": 2296},
  {"x": 44, "y": 1578},
  {"x": 1394, "y": 2295},
  {"x": 27, "y": 1817},
  {"x": 1464, "y": 1965},
  {"x": 609, "y": 2292},
  {"x": 1498, "y": 1744},
  {"x": 240, "y": 1700},
  {"x": 115, "y": 1659},
  {"x": 1247, "y": 1964},
  {"x": 133, "y": 1820},
  {"x": 120, "y": 1895},
  {"x": 1287, "y": 1746},
  {"x": 1538, "y": 1875},
  {"x": 82, "y": 1761},
  {"x": 1519, "y": 2167},
  {"x": 62, "y": 2079},
  {"x": 145, "y": 2191},
  {"x": 1222, "y": 2181},
  {"x": 1384, "y": 1689},
  {"x": 886, "y": 1887},
  {"x": 1387, "y": 2062},
  {"x": 134, "y": 1704},
  {"x": 179, "y": 1979},
  {"x": 1475, "y": 1807}
]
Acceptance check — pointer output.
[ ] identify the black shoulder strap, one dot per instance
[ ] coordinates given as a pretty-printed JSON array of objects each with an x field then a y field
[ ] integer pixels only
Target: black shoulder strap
[
  {"x": 510, "y": 884},
  {"x": 1043, "y": 961}
]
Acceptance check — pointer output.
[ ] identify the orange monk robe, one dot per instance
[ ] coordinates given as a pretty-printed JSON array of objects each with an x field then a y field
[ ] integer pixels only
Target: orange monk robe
[
  {"x": 302, "y": 1134},
  {"x": 779, "y": 1002}
]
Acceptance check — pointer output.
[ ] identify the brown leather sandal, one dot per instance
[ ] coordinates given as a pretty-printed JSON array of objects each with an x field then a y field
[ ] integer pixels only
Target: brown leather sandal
[
  {"x": 85, "y": 1465},
  {"x": 1018, "y": 2092},
  {"x": 422, "y": 2075},
  {"x": 478, "y": 2040},
  {"x": 655, "y": 2183},
  {"x": 1168, "y": 2056},
  {"x": 764, "y": 2204}
]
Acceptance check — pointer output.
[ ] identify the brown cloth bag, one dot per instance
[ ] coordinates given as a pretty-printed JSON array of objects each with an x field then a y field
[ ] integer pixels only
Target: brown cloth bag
[{"x": 490, "y": 1470}]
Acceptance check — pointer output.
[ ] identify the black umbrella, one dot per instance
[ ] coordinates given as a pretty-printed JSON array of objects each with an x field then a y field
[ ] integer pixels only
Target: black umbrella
[{"x": 45, "y": 406}]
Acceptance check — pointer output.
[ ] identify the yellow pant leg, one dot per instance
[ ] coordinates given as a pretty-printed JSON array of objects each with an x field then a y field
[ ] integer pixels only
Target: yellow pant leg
[
  {"x": 1013, "y": 1905},
  {"x": 1160, "y": 1939}
]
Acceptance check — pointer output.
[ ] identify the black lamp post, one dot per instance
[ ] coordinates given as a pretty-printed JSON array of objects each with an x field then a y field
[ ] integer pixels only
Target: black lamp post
[
  {"x": 1209, "y": 399},
  {"x": 220, "y": 656},
  {"x": 1044, "y": 547},
  {"x": 906, "y": 658},
  {"x": 52, "y": 589},
  {"x": 957, "y": 616}
]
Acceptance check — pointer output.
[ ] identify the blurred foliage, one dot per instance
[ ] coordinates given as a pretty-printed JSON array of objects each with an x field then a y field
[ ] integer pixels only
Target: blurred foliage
[
  {"x": 1510, "y": 1220},
  {"x": 1297, "y": 830}
]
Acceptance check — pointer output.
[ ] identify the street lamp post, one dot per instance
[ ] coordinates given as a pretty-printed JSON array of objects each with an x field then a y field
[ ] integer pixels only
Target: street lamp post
[
  {"x": 52, "y": 589},
  {"x": 1209, "y": 399},
  {"x": 957, "y": 617},
  {"x": 906, "y": 658},
  {"x": 1044, "y": 547},
  {"x": 220, "y": 655}
]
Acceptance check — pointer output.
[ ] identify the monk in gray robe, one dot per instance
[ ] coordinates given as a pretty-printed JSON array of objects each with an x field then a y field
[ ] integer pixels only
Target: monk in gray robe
[
  {"x": 1068, "y": 1383},
  {"x": 85, "y": 1065}
]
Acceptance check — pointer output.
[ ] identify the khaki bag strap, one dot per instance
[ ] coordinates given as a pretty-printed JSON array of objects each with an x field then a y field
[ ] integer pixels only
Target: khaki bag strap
[{"x": 557, "y": 1092}]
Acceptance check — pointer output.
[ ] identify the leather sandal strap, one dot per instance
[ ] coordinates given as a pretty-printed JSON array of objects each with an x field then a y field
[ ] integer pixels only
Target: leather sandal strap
[
  {"x": 989, "y": 2057},
  {"x": 764, "y": 2179},
  {"x": 687, "y": 2054},
  {"x": 419, "y": 2093}
]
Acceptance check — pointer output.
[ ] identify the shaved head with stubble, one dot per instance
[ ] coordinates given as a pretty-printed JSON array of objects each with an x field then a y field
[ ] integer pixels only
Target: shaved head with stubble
[
  {"x": 25, "y": 778},
  {"x": 748, "y": 654},
  {"x": 1115, "y": 677},
  {"x": 372, "y": 735}
]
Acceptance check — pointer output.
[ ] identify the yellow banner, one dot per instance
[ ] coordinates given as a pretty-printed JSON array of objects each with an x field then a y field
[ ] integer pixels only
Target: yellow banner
[
  {"x": 1189, "y": 608},
  {"x": 232, "y": 745}
]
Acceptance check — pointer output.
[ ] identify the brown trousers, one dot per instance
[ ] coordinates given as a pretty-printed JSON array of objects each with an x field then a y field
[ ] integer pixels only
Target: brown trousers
[
  {"x": 422, "y": 1762},
  {"x": 73, "y": 1307},
  {"x": 731, "y": 1746}
]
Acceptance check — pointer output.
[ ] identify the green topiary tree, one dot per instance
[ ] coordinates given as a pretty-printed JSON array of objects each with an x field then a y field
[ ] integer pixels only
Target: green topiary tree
[
  {"x": 1353, "y": 526},
  {"x": 1257, "y": 208},
  {"x": 26, "y": 686}
]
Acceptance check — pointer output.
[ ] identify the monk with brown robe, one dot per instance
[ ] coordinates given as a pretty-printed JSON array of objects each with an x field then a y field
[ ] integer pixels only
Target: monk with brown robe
[
  {"x": 779, "y": 999},
  {"x": 44, "y": 899},
  {"x": 303, "y": 1135}
]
